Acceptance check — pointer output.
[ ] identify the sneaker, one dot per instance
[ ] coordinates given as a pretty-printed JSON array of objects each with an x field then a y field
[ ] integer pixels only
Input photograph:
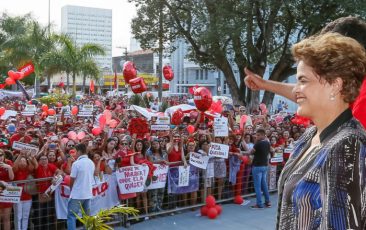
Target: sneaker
[
  {"x": 268, "y": 205},
  {"x": 256, "y": 207}
]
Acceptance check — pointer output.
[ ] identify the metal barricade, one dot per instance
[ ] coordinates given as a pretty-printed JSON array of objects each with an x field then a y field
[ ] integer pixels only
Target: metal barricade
[{"x": 42, "y": 214}]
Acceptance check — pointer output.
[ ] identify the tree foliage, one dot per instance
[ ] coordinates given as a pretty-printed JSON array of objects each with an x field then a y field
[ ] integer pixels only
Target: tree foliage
[{"x": 232, "y": 34}]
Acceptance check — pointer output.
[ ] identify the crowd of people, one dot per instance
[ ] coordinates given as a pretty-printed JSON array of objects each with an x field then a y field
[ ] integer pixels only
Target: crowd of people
[{"x": 116, "y": 147}]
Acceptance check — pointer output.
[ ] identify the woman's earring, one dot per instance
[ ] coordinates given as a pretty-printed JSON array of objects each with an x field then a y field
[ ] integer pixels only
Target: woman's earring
[{"x": 332, "y": 97}]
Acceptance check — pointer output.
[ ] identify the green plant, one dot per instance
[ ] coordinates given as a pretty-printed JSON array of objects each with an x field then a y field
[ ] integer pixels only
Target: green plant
[
  {"x": 98, "y": 222},
  {"x": 52, "y": 99}
]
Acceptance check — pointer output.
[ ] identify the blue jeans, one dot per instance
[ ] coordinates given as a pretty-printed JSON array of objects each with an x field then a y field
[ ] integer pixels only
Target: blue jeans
[
  {"x": 260, "y": 184},
  {"x": 74, "y": 207}
]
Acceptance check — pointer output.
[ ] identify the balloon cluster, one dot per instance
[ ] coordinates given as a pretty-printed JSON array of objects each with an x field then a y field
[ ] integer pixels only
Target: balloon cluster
[
  {"x": 202, "y": 99},
  {"x": 211, "y": 209},
  {"x": 137, "y": 84}
]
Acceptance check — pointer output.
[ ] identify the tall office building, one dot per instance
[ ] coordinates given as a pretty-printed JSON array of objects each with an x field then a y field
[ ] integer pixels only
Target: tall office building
[{"x": 89, "y": 25}]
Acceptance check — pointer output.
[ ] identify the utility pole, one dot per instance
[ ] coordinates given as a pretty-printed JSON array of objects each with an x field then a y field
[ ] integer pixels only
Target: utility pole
[{"x": 161, "y": 34}]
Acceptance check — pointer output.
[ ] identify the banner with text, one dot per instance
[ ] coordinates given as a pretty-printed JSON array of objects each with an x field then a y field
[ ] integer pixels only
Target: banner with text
[
  {"x": 221, "y": 128},
  {"x": 161, "y": 173},
  {"x": 11, "y": 194},
  {"x": 132, "y": 178},
  {"x": 173, "y": 181},
  {"x": 198, "y": 160}
]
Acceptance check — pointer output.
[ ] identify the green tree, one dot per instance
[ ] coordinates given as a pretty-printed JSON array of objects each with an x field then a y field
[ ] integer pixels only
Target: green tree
[
  {"x": 91, "y": 70},
  {"x": 231, "y": 34},
  {"x": 28, "y": 43},
  {"x": 72, "y": 59}
]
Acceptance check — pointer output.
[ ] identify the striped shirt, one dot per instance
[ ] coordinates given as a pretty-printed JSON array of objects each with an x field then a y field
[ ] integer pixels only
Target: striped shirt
[{"x": 326, "y": 188}]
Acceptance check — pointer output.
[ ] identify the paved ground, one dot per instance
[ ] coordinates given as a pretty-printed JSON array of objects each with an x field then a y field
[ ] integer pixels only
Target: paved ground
[{"x": 233, "y": 217}]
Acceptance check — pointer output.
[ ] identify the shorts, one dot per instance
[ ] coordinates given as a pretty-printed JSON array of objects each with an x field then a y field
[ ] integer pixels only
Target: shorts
[{"x": 5, "y": 205}]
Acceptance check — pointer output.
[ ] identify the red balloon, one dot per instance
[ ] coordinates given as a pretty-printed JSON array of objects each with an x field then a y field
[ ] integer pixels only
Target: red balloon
[
  {"x": 102, "y": 121},
  {"x": 96, "y": 131},
  {"x": 212, "y": 213},
  {"x": 2, "y": 86},
  {"x": 44, "y": 108},
  {"x": 15, "y": 75},
  {"x": 210, "y": 201},
  {"x": 9, "y": 81},
  {"x": 113, "y": 123},
  {"x": 74, "y": 110},
  {"x": 238, "y": 199},
  {"x": 138, "y": 85},
  {"x": 129, "y": 71},
  {"x": 44, "y": 114},
  {"x": 168, "y": 73},
  {"x": 202, "y": 99},
  {"x": 177, "y": 117},
  {"x": 218, "y": 209},
  {"x": 66, "y": 180},
  {"x": 204, "y": 211},
  {"x": 59, "y": 104},
  {"x": 216, "y": 106},
  {"x": 2, "y": 111},
  {"x": 51, "y": 112},
  {"x": 190, "y": 129}
]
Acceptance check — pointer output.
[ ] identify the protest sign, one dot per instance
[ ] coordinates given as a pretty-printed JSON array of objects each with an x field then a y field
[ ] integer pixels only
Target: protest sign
[
  {"x": 11, "y": 194},
  {"x": 219, "y": 150},
  {"x": 132, "y": 178},
  {"x": 160, "y": 127},
  {"x": 161, "y": 173},
  {"x": 221, "y": 128},
  {"x": 87, "y": 108},
  {"x": 163, "y": 121},
  {"x": 183, "y": 179},
  {"x": 8, "y": 113},
  {"x": 23, "y": 146},
  {"x": 278, "y": 156},
  {"x": 29, "y": 110},
  {"x": 86, "y": 111},
  {"x": 51, "y": 119},
  {"x": 198, "y": 160},
  {"x": 173, "y": 180}
]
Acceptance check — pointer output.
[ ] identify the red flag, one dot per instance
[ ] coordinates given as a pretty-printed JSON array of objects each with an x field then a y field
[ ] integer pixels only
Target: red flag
[
  {"x": 91, "y": 86},
  {"x": 115, "y": 80}
]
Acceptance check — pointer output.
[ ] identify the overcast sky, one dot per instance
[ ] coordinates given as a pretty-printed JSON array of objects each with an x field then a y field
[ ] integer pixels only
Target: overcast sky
[{"x": 122, "y": 13}]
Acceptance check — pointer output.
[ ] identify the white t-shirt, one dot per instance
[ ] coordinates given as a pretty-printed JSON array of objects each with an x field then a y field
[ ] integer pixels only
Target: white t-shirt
[{"x": 82, "y": 170}]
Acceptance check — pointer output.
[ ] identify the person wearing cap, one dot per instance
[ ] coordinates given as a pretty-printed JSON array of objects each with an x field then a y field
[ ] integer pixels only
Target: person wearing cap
[{"x": 20, "y": 135}]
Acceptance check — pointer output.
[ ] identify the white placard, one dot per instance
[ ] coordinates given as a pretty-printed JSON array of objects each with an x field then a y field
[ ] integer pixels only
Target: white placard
[
  {"x": 30, "y": 108},
  {"x": 221, "y": 128},
  {"x": 9, "y": 113},
  {"x": 160, "y": 127},
  {"x": 198, "y": 160},
  {"x": 87, "y": 108},
  {"x": 219, "y": 150},
  {"x": 23, "y": 146},
  {"x": 51, "y": 119},
  {"x": 163, "y": 121},
  {"x": 132, "y": 179},
  {"x": 11, "y": 194},
  {"x": 160, "y": 173},
  {"x": 183, "y": 179}
]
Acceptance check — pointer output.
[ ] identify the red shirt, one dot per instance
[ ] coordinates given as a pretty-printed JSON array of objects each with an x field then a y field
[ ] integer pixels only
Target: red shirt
[
  {"x": 174, "y": 156},
  {"x": 359, "y": 106},
  {"x": 4, "y": 174},
  {"x": 17, "y": 137},
  {"x": 42, "y": 172},
  {"x": 22, "y": 174}
]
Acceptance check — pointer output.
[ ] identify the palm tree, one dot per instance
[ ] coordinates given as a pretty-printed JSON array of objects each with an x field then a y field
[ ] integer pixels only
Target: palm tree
[
  {"x": 89, "y": 68},
  {"x": 77, "y": 57},
  {"x": 30, "y": 46}
]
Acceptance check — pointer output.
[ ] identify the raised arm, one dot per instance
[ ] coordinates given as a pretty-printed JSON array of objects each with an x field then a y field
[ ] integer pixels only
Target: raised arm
[{"x": 256, "y": 82}]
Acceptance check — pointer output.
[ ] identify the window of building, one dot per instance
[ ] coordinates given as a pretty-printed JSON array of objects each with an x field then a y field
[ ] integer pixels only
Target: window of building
[{"x": 224, "y": 91}]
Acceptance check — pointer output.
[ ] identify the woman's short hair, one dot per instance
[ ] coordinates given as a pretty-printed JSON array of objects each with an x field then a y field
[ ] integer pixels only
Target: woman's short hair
[{"x": 332, "y": 55}]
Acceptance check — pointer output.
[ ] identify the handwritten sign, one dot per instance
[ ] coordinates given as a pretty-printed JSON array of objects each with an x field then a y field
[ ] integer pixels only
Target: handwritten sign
[
  {"x": 221, "y": 128},
  {"x": 51, "y": 119},
  {"x": 183, "y": 179},
  {"x": 198, "y": 160},
  {"x": 29, "y": 110},
  {"x": 11, "y": 194},
  {"x": 163, "y": 121},
  {"x": 23, "y": 146},
  {"x": 132, "y": 179},
  {"x": 87, "y": 108},
  {"x": 219, "y": 150},
  {"x": 161, "y": 173},
  {"x": 160, "y": 127}
]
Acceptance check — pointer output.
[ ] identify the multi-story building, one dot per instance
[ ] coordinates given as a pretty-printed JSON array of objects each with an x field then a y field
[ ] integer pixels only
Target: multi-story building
[{"x": 89, "y": 25}]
